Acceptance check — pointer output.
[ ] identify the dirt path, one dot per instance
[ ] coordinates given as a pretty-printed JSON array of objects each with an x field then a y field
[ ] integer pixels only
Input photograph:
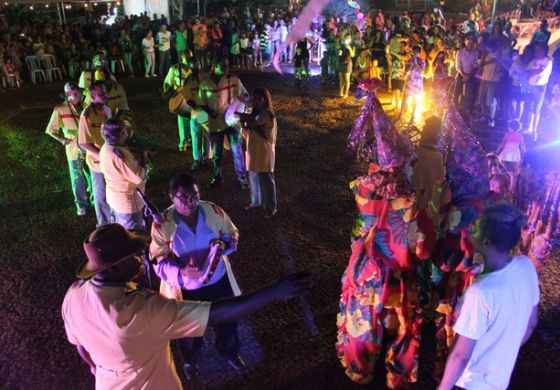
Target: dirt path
[{"x": 287, "y": 346}]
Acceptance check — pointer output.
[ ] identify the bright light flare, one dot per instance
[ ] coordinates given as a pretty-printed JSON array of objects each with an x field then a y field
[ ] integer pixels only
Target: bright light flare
[{"x": 416, "y": 106}]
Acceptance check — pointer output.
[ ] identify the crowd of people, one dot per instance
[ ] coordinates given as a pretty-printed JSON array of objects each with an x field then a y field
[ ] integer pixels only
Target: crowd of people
[
  {"x": 496, "y": 78},
  {"x": 436, "y": 224}
]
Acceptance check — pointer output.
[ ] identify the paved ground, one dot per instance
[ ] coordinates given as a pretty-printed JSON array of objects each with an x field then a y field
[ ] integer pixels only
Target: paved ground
[{"x": 286, "y": 346}]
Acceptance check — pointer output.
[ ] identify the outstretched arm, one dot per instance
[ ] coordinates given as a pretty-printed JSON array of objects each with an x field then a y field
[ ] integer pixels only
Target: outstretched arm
[{"x": 231, "y": 309}]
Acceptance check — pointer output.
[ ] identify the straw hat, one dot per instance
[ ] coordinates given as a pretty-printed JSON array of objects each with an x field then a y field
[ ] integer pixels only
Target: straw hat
[{"x": 108, "y": 245}]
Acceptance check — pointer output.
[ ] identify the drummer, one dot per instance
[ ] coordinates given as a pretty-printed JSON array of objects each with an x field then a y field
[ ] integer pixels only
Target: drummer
[
  {"x": 117, "y": 96},
  {"x": 99, "y": 63},
  {"x": 197, "y": 90},
  {"x": 172, "y": 85},
  {"x": 229, "y": 92}
]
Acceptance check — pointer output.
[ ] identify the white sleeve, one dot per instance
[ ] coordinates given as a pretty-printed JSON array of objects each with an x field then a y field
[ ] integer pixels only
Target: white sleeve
[{"x": 474, "y": 316}]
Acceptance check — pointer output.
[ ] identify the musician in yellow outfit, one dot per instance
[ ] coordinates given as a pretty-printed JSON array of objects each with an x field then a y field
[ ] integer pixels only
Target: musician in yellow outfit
[
  {"x": 117, "y": 100},
  {"x": 181, "y": 246},
  {"x": 197, "y": 91},
  {"x": 228, "y": 90},
  {"x": 63, "y": 127},
  {"x": 174, "y": 83}
]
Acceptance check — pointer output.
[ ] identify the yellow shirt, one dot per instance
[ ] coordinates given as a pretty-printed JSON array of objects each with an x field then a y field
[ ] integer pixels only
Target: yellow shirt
[
  {"x": 89, "y": 131},
  {"x": 122, "y": 176},
  {"x": 64, "y": 121},
  {"x": 261, "y": 151},
  {"x": 127, "y": 333},
  {"x": 117, "y": 97}
]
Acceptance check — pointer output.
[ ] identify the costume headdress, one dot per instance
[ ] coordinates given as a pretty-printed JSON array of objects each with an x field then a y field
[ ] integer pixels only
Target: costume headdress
[{"x": 374, "y": 138}]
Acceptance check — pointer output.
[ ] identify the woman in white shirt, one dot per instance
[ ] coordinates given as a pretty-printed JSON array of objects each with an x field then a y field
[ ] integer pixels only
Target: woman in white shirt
[{"x": 149, "y": 54}]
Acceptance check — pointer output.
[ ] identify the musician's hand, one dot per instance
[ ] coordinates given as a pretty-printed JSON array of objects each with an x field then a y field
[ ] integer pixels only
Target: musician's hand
[
  {"x": 191, "y": 271},
  {"x": 290, "y": 286}
]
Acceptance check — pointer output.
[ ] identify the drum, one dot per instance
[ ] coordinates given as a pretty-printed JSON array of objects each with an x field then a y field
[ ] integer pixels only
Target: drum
[
  {"x": 200, "y": 116},
  {"x": 236, "y": 106},
  {"x": 178, "y": 105}
]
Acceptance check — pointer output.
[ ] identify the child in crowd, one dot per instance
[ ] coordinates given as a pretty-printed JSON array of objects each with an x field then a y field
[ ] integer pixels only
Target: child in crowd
[
  {"x": 11, "y": 70},
  {"x": 413, "y": 91},
  {"x": 301, "y": 62},
  {"x": 257, "y": 53},
  {"x": 235, "y": 48},
  {"x": 245, "y": 46},
  {"x": 511, "y": 150}
]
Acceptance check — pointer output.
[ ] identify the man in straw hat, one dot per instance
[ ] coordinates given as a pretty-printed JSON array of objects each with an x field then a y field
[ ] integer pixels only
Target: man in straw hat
[{"x": 123, "y": 332}]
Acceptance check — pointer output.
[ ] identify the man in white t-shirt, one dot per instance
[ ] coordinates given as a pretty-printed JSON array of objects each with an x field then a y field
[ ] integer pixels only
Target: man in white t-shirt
[
  {"x": 499, "y": 310},
  {"x": 164, "y": 46}
]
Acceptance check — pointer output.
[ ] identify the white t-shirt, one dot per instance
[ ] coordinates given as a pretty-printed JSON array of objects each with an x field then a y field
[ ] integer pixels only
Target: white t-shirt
[
  {"x": 148, "y": 45},
  {"x": 495, "y": 311},
  {"x": 542, "y": 77},
  {"x": 164, "y": 40}
]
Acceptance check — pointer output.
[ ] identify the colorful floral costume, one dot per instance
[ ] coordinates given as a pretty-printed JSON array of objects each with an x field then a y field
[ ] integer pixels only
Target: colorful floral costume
[
  {"x": 379, "y": 293},
  {"x": 379, "y": 286}
]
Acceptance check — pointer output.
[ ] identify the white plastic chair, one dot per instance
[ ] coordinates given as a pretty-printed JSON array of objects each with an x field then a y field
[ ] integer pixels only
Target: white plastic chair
[
  {"x": 10, "y": 80},
  {"x": 34, "y": 66},
  {"x": 49, "y": 63}
]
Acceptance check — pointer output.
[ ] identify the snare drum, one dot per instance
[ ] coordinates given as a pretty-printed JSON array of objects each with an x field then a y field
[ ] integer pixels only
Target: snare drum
[
  {"x": 236, "y": 106},
  {"x": 178, "y": 105}
]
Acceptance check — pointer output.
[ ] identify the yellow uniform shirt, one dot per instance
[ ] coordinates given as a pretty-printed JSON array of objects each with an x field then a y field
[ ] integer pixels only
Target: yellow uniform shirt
[
  {"x": 89, "y": 131},
  {"x": 65, "y": 121}
]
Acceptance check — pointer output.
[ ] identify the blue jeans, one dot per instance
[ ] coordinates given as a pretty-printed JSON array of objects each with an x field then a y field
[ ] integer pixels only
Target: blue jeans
[
  {"x": 164, "y": 61},
  {"x": 102, "y": 209},
  {"x": 236, "y": 144},
  {"x": 263, "y": 190},
  {"x": 130, "y": 221},
  {"x": 79, "y": 179}
]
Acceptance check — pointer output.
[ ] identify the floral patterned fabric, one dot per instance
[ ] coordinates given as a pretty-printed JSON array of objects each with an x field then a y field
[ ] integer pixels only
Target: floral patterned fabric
[{"x": 379, "y": 292}]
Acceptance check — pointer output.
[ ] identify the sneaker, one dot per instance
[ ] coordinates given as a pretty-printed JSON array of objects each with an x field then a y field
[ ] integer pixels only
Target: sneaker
[
  {"x": 196, "y": 165},
  {"x": 244, "y": 185},
  {"x": 250, "y": 207},
  {"x": 81, "y": 211},
  {"x": 236, "y": 362},
  {"x": 190, "y": 370},
  {"x": 491, "y": 123},
  {"x": 147, "y": 76}
]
